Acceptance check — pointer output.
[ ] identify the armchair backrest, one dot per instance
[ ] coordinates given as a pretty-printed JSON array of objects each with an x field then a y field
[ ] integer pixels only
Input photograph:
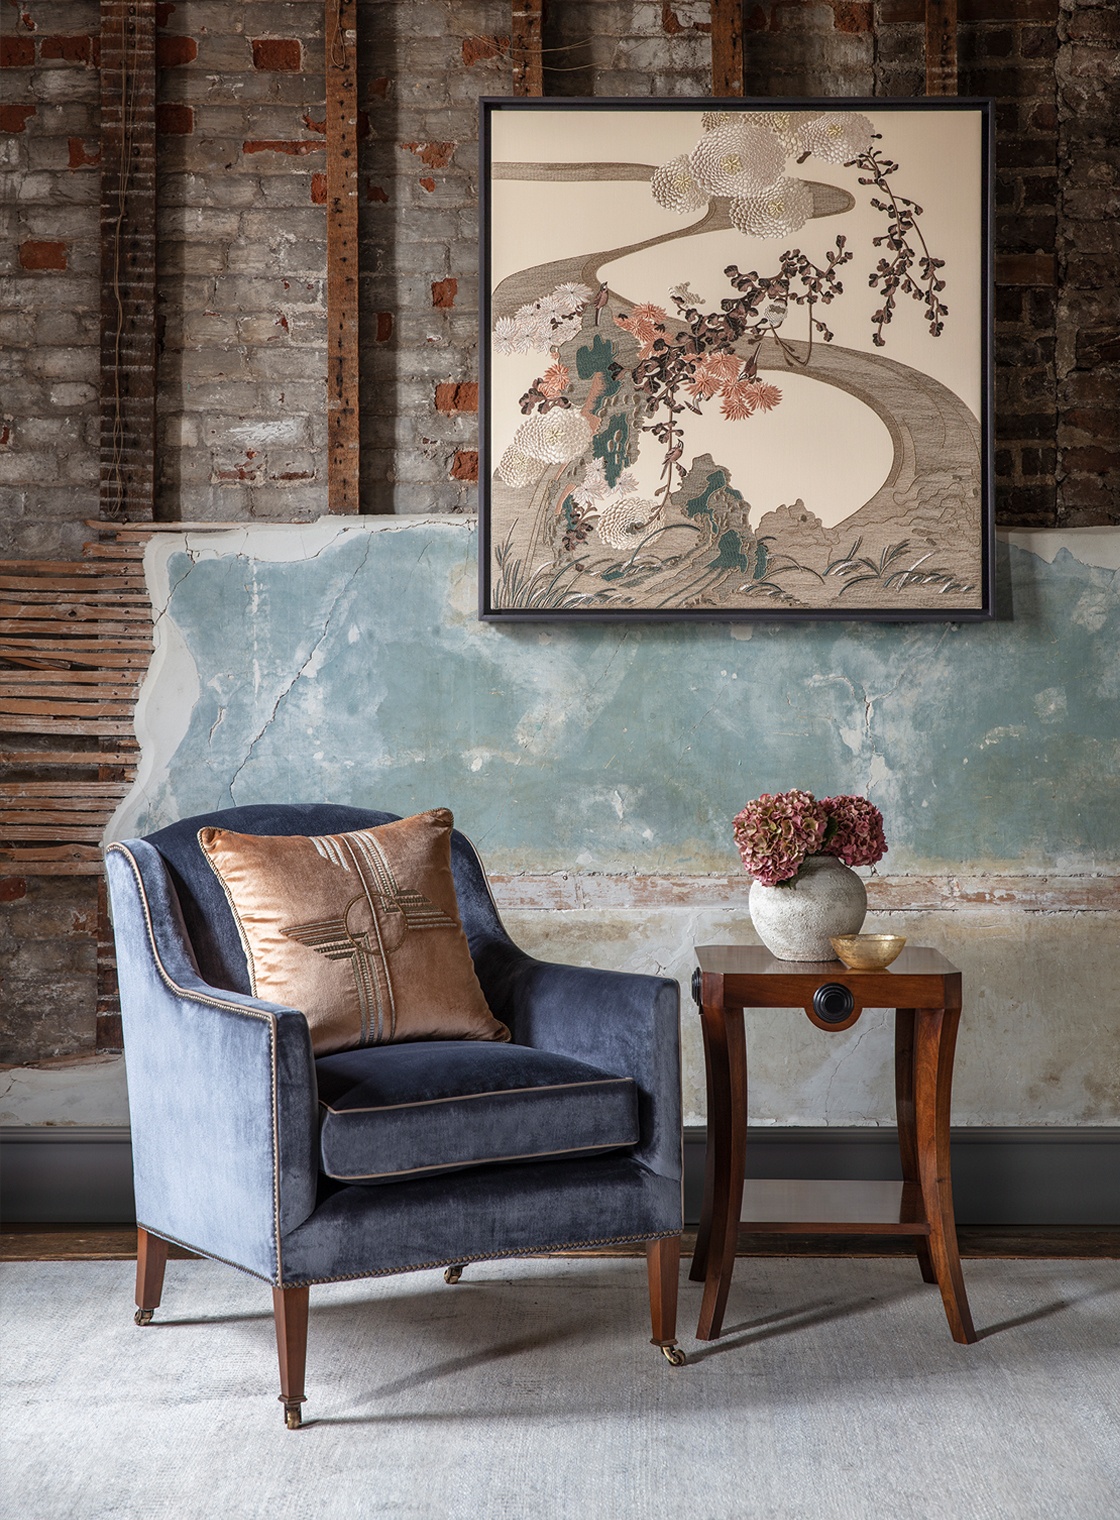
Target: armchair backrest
[{"x": 207, "y": 915}]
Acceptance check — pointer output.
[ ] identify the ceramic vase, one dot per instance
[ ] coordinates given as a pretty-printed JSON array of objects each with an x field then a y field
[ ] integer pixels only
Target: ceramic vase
[{"x": 796, "y": 920}]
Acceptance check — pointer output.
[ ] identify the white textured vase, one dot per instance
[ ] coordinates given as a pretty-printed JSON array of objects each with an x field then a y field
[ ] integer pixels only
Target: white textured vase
[{"x": 796, "y": 920}]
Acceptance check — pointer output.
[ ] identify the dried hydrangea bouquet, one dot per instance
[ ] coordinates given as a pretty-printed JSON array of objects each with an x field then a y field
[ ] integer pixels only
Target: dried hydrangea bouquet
[{"x": 799, "y": 852}]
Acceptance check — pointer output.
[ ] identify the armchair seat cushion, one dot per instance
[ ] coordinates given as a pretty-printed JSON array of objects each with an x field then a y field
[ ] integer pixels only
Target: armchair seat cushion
[{"x": 392, "y": 1112}]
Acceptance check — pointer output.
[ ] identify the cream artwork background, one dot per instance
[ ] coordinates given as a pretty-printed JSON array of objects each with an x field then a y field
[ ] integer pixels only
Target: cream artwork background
[{"x": 821, "y": 445}]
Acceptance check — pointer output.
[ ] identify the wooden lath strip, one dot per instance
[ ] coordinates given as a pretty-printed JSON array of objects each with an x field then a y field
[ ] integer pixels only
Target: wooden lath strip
[
  {"x": 941, "y": 47},
  {"x": 71, "y": 759},
  {"x": 526, "y": 46},
  {"x": 128, "y": 258},
  {"x": 727, "y": 47},
  {"x": 343, "y": 440},
  {"x": 61, "y": 794}
]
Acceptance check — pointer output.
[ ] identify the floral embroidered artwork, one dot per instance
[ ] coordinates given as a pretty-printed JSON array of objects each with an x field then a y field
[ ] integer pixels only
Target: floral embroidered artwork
[{"x": 747, "y": 378}]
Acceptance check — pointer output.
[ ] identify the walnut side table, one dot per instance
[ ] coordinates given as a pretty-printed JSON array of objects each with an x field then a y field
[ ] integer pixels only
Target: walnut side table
[{"x": 925, "y": 991}]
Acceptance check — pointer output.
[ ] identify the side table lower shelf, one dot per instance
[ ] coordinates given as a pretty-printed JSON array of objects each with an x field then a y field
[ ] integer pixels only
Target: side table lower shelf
[{"x": 803, "y": 1207}]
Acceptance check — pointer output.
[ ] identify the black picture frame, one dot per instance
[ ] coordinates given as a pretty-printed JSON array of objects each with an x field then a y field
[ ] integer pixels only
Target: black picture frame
[{"x": 550, "y": 548}]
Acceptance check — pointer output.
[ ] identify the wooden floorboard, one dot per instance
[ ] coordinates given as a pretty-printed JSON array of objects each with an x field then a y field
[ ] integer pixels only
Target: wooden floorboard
[{"x": 36, "y": 1242}]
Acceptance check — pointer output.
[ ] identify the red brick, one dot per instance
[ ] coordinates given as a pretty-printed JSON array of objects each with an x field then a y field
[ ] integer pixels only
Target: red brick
[
  {"x": 319, "y": 189},
  {"x": 14, "y": 118},
  {"x": 12, "y": 888},
  {"x": 437, "y": 155},
  {"x": 1097, "y": 422},
  {"x": 278, "y": 55},
  {"x": 428, "y": 184},
  {"x": 1090, "y": 460},
  {"x": 375, "y": 192},
  {"x": 314, "y": 126},
  {"x": 16, "y": 52},
  {"x": 174, "y": 120},
  {"x": 444, "y": 293},
  {"x": 173, "y": 51},
  {"x": 42, "y": 255},
  {"x": 465, "y": 465},
  {"x": 82, "y": 157},
  {"x": 1026, "y": 269},
  {"x": 163, "y": 12},
  {"x": 672, "y": 25},
  {"x": 851, "y": 15},
  {"x": 69, "y": 49},
  {"x": 461, "y": 397},
  {"x": 479, "y": 49},
  {"x": 379, "y": 87},
  {"x": 384, "y": 326}
]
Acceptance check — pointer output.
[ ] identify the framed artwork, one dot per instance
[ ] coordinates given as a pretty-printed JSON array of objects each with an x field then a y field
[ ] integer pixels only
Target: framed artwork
[{"x": 736, "y": 359}]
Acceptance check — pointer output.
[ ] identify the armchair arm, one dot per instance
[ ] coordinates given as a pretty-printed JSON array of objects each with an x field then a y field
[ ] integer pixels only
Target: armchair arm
[
  {"x": 222, "y": 1092},
  {"x": 626, "y": 1024}
]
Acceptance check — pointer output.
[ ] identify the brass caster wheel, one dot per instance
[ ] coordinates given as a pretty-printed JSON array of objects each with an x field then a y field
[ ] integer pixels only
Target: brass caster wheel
[
  {"x": 673, "y": 1355},
  {"x": 293, "y": 1413},
  {"x": 143, "y": 1316},
  {"x": 452, "y": 1274}
]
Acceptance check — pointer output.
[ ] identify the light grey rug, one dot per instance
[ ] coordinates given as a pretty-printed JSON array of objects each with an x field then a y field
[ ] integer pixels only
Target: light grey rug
[{"x": 530, "y": 1390}]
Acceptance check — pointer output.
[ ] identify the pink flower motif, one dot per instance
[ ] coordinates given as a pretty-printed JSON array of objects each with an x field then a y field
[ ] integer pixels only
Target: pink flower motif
[
  {"x": 776, "y": 832},
  {"x": 855, "y": 831}
]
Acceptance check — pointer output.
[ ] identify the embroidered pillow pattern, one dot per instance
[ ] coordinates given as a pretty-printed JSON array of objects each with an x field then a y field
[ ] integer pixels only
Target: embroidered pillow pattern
[{"x": 360, "y": 931}]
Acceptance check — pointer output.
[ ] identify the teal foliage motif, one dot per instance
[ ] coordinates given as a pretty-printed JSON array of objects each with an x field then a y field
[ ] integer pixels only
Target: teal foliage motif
[
  {"x": 718, "y": 480},
  {"x": 762, "y": 555},
  {"x": 731, "y": 556},
  {"x": 612, "y": 446},
  {"x": 597, "y": 360}
]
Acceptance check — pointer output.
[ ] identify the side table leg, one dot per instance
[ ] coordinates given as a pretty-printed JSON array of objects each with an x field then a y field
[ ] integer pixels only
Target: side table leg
[
  {"x": 699, "y": 1267},
  {"x": 904, "y": 1107},
  {"x": 727, "y": 1140},
  {"x": 935, "y": 1042}
]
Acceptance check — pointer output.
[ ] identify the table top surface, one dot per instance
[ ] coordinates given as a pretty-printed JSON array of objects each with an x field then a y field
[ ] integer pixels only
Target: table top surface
[{"x": 754, "y": 960}]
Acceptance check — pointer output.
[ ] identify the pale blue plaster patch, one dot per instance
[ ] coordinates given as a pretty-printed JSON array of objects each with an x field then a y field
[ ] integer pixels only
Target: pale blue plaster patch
[{"x": 359, "y": 674}]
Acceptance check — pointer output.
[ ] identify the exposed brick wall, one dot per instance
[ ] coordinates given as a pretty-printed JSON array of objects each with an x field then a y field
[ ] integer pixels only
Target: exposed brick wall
[
  {"x": 48, "y": 970},
  {"x": 242, "y": 262},
  {"x": 1087, "y": 358},
  {"x": 49, "y": 289}
]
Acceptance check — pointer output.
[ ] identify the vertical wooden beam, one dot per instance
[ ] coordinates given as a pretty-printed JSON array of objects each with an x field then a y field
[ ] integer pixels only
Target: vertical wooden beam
[
  {"x": 941, "y": 47},
  {"x": 526, "y": 32},
  {"x": 128, "y": 259},
  {"x": 727, "y": 47},
  {"x": 343, "y": 442}
]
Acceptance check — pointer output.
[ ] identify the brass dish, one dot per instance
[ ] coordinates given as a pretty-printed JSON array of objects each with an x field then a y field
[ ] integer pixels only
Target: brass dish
[{"x": 867, "y": 952}]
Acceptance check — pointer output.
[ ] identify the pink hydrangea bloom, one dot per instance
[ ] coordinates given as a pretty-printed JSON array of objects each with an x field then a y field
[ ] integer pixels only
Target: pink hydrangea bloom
[
  {"x": 855, "y": 831},
  {"x": 776, "y": 832}
]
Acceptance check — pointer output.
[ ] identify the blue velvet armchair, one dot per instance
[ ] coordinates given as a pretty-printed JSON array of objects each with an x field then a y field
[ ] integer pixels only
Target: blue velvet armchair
[{"x": 388, "y": 1158}]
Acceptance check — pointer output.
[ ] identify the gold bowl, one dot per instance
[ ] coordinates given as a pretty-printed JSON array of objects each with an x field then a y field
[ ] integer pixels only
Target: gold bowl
[{"x": 867, "y": 952}]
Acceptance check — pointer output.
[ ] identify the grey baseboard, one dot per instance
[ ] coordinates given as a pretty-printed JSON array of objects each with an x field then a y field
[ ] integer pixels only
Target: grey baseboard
[{"x": 1009, "y": 1176}]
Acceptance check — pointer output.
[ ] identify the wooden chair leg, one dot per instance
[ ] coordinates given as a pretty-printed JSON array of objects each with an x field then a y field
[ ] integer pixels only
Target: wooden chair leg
[
  {"x": 289, "y": 1306},
  {"x": 663, "y": 1261},
  {"x": 151, "y": 1258}
]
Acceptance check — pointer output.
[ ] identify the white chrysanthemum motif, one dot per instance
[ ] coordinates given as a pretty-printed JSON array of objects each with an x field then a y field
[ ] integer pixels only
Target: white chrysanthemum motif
[
  {"x": 556, "y": 437},
  {"x": 593, "y": 486},
  {"x": 779, "y": 210},
  {"x": 674, "y": 187},
  {"x": 545, "y": 323},
  {"x": 571, "y": 297},
  {"x": 712, "y": 119},
  {"x": 838, "y": 137},
  {"x": 627, "y": 521},
  {"x": 738, "y": 159},
  {"x": 518, "y": 470},
  {"x": 782, "y": 123}
]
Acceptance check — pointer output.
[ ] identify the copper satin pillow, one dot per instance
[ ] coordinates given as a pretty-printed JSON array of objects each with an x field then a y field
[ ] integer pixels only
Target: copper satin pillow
[{"x": 360, "y": 931}]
